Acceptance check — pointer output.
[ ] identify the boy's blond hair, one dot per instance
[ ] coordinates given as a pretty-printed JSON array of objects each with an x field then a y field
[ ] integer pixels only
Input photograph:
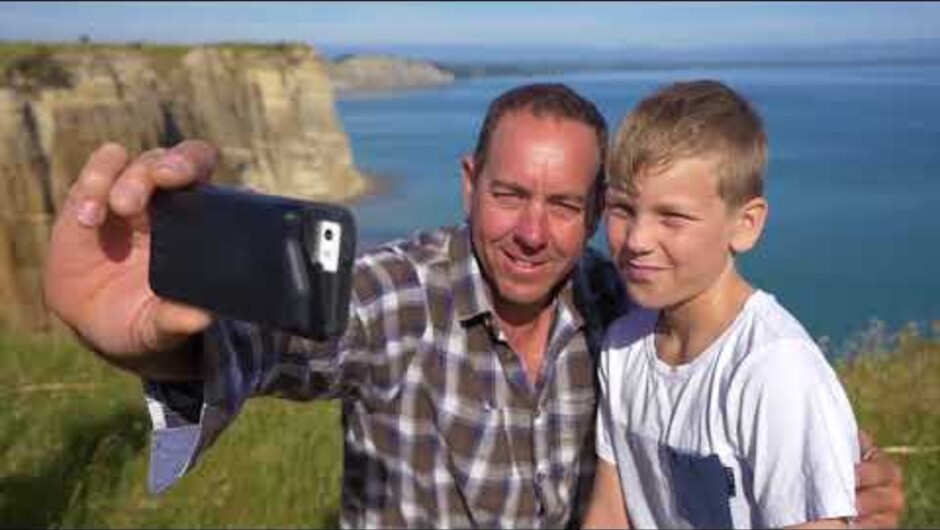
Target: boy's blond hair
[{"x": 691, "y": 119}]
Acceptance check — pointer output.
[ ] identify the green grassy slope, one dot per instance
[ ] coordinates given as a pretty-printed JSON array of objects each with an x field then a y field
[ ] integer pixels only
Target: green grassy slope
[{"x": 74, "y": 436}]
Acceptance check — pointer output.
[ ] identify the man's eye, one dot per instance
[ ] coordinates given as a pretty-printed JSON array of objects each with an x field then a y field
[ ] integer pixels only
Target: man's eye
[
  {"x": 507, "y": 197},
  {"x": 567, "y": 207}
]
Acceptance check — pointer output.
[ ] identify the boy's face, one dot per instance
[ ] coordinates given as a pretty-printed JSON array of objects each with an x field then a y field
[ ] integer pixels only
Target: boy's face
[
  {"x": 675, "y": 236},
  {"x": 528, "y": 205}
]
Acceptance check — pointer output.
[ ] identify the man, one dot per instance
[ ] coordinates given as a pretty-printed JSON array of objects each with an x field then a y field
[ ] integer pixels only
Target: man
[{"x": 467, "y": 368}]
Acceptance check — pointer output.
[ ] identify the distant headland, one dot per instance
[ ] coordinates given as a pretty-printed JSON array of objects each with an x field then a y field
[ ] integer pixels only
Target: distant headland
[{"x": 357, "y": 73}]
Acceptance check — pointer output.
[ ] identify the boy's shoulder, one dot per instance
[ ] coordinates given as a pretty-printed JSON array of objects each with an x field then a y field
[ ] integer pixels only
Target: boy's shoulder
[
  {"x": 770, "y": 342},
  {"x": 771, "y": 320}
]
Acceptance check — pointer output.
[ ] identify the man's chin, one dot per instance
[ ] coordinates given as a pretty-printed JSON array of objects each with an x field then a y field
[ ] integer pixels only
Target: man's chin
[{"x": 524, "y": 298}]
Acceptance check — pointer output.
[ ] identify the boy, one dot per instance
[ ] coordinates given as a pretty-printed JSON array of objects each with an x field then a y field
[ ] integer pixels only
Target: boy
[{"x": 717, "y": 409}]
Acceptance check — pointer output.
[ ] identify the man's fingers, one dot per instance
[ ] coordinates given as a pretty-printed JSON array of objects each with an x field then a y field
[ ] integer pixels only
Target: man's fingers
[
  {"x": 180, "y": 320},
  {"x": 883, "y": 519},
  {"x": 879, "y": 494},
  {"x": 185, "y": 163},
  {"x": 877, "y": 471},
  {"x": 879, "y": 522},
  {"x": 131, "y": 192},
  {"x": 105, "y": 183},
  {"x": 88, "y": 196},
  {"x": 866, "y": 445},
  {"x": 875, "y": 502},
  {"x": 879, "y": 488}
]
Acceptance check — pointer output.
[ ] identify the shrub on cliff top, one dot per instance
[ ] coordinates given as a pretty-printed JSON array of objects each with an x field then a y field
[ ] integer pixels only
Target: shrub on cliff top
[{"x": 35, "y": 71}]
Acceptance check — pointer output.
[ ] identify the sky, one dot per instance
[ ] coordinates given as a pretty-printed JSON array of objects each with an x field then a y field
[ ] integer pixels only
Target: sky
[{"x": 581, "y": 24}]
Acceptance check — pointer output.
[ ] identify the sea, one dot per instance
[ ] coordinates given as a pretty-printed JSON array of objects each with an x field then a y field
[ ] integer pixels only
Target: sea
[{"x": 852, "y": 242}]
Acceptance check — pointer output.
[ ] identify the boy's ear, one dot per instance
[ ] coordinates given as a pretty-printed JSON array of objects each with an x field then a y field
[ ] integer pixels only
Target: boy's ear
[
  {"x": 467, "y": 181},
  {"x": 748, "y": 224}
]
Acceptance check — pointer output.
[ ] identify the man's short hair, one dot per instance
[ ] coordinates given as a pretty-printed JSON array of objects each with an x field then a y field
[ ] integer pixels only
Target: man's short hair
[
  {"x": 691, "y": 119},
  {"x": 542, "y": 99}
]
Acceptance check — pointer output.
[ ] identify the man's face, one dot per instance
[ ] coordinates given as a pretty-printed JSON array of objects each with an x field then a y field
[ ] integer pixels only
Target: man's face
[
  {"x": 674, "y": 237},
  {"x": 528, "y": 206}
]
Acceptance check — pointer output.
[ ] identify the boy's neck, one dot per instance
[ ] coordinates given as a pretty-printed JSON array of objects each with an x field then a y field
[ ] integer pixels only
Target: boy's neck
[{"x": 686, "y": 330}]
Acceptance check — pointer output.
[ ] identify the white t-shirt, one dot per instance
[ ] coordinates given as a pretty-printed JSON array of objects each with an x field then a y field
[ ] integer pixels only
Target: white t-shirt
[{"x": 754, "y": 432}]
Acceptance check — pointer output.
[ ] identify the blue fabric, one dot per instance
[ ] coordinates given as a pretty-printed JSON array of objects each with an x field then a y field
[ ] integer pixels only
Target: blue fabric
[{"x": 170, "y": 451}]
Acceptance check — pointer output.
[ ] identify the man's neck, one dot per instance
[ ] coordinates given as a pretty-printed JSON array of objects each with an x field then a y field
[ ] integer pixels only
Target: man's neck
[
  {"x": 686, "y": 330},
  {"x": 527, "y": 330}
]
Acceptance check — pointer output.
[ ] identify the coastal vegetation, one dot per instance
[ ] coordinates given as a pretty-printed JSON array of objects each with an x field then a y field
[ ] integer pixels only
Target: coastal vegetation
[
  {"x": 161, "y": 57},
  {"x": 33, "y": 71},
  {"x": 74, "y": 439},
  {"x": 36, "y": 62}
]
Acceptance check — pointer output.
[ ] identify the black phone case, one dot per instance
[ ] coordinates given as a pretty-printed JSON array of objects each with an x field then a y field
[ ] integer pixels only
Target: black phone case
[{"x": 254, "y": 257}]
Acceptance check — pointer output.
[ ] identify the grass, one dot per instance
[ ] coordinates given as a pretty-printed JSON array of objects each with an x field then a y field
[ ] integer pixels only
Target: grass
[
  {"x": 10, "y": 50},
  {"x": 162, "y": 57},
  {"x": 74, "y": 437},
  {"x": 894, "y": 386}
]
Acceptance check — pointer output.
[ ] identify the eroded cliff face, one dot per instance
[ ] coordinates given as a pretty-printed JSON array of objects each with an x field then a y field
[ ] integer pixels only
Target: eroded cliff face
[{"x": 269, "y": 110}]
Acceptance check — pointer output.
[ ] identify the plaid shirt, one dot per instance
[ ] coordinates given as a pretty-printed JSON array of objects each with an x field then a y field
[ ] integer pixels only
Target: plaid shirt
[{"x": 442, "y": 426}]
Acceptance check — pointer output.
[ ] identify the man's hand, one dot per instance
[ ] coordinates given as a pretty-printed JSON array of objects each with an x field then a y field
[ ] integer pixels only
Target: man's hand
[
  {"x": 879, "y": 494},
  {"x": 96, "y": 272}
]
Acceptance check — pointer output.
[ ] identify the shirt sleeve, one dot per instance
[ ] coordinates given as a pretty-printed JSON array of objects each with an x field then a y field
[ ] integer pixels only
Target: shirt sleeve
[
  {"x": 242, "y": 360},
  {"x": 797, "y": 431}
]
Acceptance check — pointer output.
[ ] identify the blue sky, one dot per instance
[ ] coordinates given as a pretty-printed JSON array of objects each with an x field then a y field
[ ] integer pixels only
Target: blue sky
[{"x": 594, "y": 24}]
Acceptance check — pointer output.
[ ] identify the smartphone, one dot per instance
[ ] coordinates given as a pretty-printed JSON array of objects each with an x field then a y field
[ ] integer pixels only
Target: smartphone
[{"x": 277, "y": 261}]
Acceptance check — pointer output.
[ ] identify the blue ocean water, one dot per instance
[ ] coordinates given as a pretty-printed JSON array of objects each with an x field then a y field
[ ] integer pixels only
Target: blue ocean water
[{"x": 853, "y": 182}]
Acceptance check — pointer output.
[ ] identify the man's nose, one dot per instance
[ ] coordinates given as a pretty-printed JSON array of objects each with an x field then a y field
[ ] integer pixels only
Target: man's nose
[{"x": 532, "y": 227}]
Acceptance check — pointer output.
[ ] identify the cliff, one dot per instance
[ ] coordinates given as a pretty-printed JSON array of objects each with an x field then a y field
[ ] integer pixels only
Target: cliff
[
  {"x": 383, "y": 72},
  {"x": 269, "y": 109}
]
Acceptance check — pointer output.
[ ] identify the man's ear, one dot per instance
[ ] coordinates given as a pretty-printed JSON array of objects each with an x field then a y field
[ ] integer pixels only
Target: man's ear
[
  {"x": 749, "y": 224},
  {"x": 467, "y": 181}
]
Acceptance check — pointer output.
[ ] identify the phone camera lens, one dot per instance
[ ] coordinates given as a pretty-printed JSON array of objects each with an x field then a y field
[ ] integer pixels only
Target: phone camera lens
[{"x": 328, "y": 235}]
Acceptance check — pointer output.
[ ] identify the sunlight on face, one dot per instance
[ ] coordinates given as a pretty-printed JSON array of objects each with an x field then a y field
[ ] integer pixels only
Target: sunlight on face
[
  {"x": 671, "y": 240},
  {"x": 528, "y": 207}
]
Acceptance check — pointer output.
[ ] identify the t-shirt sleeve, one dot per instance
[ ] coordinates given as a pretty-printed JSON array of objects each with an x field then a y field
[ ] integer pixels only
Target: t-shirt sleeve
[
  {"x": 796, "y": 429},
  {"x": 603, "y": 444}
]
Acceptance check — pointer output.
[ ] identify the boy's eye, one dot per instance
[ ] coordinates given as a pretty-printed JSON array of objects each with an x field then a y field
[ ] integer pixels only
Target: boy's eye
[
  {"x": 676, "y": 219},
  {"x": 619, "y": 209}
]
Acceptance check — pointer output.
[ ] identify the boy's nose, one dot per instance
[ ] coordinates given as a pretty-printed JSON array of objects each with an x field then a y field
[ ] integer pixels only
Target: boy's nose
[{"x": 639, "y": 237}]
